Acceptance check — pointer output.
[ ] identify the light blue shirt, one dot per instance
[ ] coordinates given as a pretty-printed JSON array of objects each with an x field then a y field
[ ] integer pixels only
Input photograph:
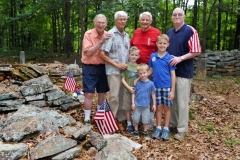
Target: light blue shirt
[
  {"x": 118, "y": 48},
  {"x": 143, "y": 92}
]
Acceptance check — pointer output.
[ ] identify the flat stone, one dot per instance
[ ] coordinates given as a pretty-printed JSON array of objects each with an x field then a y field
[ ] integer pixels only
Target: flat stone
[
  {"x": 35, "y": 97},
  {"x": 12, "y": 151},
  {"x": 5, "y": 96},
  {"x": 62, "y": 100},
  {"x": 38, "y": 103},
  {"x": 69, "y": 106},
  {"x": 97, "y": 140},
  {"x": 51, "y": 146},
  {"x": 69, "y": 154},
  {"x": 82, "y": 132},
  {"x": 34, "y": 89},
  {"x": 54, "y": 93},
  {"x": 17, "y": 130}
]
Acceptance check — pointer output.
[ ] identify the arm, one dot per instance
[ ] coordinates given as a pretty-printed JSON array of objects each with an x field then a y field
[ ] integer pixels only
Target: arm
[
  {"x": 93, "y": 49},
  {"x": 133, "y": 103},
  {"x": 175, "y": 60},
  {"x": 103, "y": 55},
  {"x": 127, "y": 86},
  {"x": 154, "y": 101},
  {"x": 173, "y": 76}
]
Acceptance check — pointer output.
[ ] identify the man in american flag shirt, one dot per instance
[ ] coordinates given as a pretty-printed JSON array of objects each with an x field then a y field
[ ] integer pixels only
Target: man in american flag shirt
[{"x": 184, "y": 46}]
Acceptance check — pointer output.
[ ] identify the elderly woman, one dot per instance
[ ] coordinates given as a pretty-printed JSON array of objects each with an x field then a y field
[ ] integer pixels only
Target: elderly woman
[{"x": 145, "y": 37}]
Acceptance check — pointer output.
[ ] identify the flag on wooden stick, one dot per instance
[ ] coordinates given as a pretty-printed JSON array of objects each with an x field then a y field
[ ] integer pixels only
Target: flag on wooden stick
[
  {"x": 104, "y": 118},
  {"x": 70, "y": 83}
]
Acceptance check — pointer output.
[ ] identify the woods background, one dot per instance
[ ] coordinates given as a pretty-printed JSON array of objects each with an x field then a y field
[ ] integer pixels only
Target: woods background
[{"x": 53, "y": 27}]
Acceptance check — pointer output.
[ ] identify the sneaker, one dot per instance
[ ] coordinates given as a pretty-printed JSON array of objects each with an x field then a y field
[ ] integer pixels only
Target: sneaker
[
  {"x": 136, "y": 134},
  {"x": 130, "y": 129},
  {"x": 146, "y": 137},
  {"x": 156, "y": 134},
  {"x": 86, "y": 122},
  {"x": 180, "y": 136},
  {"x": 165, "y": 134}
]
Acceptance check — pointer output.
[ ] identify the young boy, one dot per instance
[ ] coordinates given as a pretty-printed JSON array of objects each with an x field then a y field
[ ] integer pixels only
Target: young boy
[
  {"x": 144, "y": 89},
  {"x": 164, "y": 79},
  {"x": 128, "y": 77}
]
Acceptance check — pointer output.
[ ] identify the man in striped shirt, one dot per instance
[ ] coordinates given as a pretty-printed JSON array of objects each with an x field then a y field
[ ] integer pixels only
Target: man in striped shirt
[{"x": 184, "y": 46}]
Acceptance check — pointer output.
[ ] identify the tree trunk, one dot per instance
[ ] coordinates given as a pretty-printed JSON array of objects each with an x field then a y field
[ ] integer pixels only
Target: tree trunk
[
  {"x": 204, "y": 34},
  {"x": 219, "y": 24},
  {"x": 67, "y": 40},
  {"x": 237, "y": 35}
]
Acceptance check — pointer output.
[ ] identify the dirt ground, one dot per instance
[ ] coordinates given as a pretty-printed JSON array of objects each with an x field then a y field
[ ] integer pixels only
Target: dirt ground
[{"x": 214, "y": 124}]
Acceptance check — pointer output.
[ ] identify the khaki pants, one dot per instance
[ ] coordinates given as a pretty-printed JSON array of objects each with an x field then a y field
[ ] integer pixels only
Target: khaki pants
[
  {"x": 179, "y": 109},
  {"x": 115, "y": 98}
]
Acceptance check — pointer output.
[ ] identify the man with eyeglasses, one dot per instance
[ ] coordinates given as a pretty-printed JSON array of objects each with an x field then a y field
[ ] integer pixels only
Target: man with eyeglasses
[
  {"x": 184, "y": 46},
  {"x": 93, "y": 67},
  {"x": 115, "y": 54}
]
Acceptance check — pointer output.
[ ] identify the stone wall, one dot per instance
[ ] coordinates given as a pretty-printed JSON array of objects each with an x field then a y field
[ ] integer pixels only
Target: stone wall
[{"x": 226, "y": 63}]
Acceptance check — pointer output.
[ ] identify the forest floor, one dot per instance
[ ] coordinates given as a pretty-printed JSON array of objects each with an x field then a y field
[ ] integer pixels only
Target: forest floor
[{"x": 214, "y": 124}]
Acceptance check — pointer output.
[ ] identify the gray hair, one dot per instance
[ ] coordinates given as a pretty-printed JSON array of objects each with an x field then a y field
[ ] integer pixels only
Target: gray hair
[
  {"x": 99, "y": 16},
  {"x": 146, "y": 13},
  {"x": 120, "y": 13}
]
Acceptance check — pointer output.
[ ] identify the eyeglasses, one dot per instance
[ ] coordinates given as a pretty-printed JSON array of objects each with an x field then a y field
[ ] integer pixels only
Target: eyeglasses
[
  {"x": 123, "y": 20},
  {"x": 177, "y": 14}
]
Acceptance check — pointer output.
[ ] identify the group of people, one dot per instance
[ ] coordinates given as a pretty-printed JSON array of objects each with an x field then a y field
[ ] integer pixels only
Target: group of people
[{"x": 151, "y": 72}]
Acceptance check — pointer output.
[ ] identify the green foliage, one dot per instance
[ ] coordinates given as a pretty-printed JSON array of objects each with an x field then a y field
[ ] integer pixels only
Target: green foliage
[{"x": 40, "y": 24}]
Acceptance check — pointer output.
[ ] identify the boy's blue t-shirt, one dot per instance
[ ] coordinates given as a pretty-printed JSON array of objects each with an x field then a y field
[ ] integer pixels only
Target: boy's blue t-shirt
[
  {"x": 143, "y": 91},
  {"x": 161, "y": 70}
]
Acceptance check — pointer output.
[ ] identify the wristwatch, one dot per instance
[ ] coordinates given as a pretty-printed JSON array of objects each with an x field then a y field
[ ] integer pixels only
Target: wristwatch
[{"x": 182, "y": 58}]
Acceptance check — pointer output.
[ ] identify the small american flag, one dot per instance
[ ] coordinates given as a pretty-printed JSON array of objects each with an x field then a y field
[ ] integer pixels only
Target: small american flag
[
  {"x": 105, "y": 120},
  {"x": 70, "y": 83}
]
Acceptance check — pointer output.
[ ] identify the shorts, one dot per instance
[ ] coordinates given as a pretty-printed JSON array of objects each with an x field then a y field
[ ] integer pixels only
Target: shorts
[
  {"x": 141, "y": 111},
  {"x": 162, "y": 96},
  {"x": 127, "y": 101},
  {"x": 94, "y": 77}
]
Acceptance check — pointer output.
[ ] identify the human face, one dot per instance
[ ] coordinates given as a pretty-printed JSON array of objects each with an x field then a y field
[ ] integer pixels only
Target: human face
[
  {"x": 143, "y": 75},
  {"x": 162, "y": 45},
  {"x": 100, "y": 25},
  {"x": 133, "y": 56},
  {"x": 145, "y": 22},
  {"x": 120, "y": 23},
  {"x": 178, "y": 17}
]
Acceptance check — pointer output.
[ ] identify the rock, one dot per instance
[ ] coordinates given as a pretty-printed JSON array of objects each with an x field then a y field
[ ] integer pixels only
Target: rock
[
  {"x": 126, "y": 142},
  {"x": 35, "y": 97},
  {"x": 69, "y": 154},
  {"x": 12, "y": 151},
  {"x": 69, "y": 106},
  {"x": 82, "y": 132},
  {"x": 5, "y": 96},
  {"x": 114, "y": 151},
  {"x": 51, "y": 146},
  {"x": 97, "y": 140},
  {"x": 24, "y": 126}
]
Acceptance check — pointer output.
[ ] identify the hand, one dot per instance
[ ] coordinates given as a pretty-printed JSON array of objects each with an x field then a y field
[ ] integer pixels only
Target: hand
[
  {"x": 154, "y": 108},
  {"x": 122, "y": 66},
  {"x": 106, "y": 36},
  {"x": 175, "y": 60},
  {"x": 171, "y": 96},
  {"x": 135, "y": 81},
  {"x": 133, "y": 107},
  {"x": 131, "y": 89}
]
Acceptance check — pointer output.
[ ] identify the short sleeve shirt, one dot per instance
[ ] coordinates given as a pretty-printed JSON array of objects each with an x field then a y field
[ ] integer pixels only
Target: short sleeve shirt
[
  {"x": 118, "y": 48},
  {"x": 143, "y": 93},
  {"x": 91, "y": 37},
  {"x": 161, "y": 70},
  {"x": 130, "y": 75}
]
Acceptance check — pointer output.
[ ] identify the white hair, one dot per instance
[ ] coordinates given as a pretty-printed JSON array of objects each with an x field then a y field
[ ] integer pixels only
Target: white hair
[
  {"x": 99, "y": 16},
  {"x": 146, "y": 13},
  {"x": 120, "y": 13}
]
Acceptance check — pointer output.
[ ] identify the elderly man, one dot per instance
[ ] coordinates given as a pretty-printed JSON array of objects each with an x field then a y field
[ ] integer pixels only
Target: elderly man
[
  {"x": 184, "y": 46},
  {"x": 93, "y": 67},
  {"x": 115, "y": 54}
]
